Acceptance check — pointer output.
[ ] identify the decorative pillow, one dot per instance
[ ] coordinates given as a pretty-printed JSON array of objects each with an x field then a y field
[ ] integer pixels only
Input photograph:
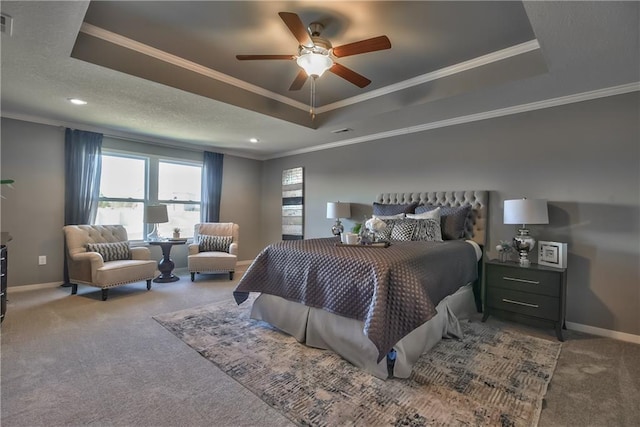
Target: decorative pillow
[
  {"x": 453, "y": 219},
  {"x": 111, "y": 251},
  {"x": 403, "y": 230},
  {"x": 428, "y": 230},
  {"x": 209, "y": 243},
  {"x": 385, "y": 235},
  {"x": 384, "y": 209},
  {"x": 385, "y": 217}
]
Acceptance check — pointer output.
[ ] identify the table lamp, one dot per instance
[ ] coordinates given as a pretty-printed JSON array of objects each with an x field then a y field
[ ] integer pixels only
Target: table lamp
[
  {"x": 155, "y": 215},
  {"x": 525, "y": 211},
  {"x": 337, "y": 210}
]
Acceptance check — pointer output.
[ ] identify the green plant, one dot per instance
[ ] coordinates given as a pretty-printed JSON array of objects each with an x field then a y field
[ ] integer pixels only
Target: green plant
[
  {"x": 356, "y": 228},
  {"x": 176, "y": 230}
]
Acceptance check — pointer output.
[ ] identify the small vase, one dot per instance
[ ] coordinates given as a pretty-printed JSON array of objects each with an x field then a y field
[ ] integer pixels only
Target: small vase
[{"x": 176, "y": 235}]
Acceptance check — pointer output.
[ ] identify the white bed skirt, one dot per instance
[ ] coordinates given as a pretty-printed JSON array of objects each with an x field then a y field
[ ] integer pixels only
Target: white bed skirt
[{"x": 344, "y": 336}]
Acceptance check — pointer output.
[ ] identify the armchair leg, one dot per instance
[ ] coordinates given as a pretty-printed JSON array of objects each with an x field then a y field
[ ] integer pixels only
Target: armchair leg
[
  {"x": 148, "y": 284},
  {"x": 193, "y": 277},
  {"x": 105, "y": 294},
  {"x": 74, "y": 288},
  {"x": 231, "y": 275}
]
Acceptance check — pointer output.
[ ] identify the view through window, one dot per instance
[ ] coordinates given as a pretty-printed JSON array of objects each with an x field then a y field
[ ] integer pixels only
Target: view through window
[{"x": 128, "y": 183}]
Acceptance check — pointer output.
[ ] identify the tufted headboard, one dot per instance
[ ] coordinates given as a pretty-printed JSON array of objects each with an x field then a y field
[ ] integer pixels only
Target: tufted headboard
[{"x": 478, "y": 199}]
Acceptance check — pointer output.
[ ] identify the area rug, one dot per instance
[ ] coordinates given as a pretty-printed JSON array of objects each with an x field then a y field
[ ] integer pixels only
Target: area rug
[{"x": 491, "y": 377}]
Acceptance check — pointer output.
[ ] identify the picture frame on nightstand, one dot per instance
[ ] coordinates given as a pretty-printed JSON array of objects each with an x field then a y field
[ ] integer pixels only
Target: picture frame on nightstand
[{"x": 552, "y": 254}]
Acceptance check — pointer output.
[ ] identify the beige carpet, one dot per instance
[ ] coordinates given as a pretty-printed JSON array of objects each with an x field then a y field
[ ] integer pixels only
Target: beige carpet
[{"x": 491, "y": 377}]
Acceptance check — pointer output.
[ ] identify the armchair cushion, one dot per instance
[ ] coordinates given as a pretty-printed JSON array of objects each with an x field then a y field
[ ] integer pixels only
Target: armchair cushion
[
  {"x": 113, "y": 251},
  {"x": 210, "y": 243}
]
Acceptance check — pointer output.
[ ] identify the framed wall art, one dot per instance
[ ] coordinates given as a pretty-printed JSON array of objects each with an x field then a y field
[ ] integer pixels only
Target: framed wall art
[
  {"x": 552, "y": 254},
  {"x": 292, "y": 204}
]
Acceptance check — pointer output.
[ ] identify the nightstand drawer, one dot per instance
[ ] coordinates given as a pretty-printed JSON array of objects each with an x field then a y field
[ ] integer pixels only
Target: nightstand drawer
[
  {"x": 535, "y": 305},
  {"x": 520, "y": 279}
]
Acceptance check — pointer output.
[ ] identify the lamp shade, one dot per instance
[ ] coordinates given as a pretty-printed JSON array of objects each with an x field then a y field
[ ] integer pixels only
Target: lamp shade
[
  {"x": 157, "y": 214},
  {"x": 526, "y": 211},
  {"x": 338, "y": 210},
  {"x": 314, "y": 64}
]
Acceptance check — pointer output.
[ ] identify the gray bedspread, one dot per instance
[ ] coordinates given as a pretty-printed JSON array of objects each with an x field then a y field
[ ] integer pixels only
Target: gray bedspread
[{"x": 392, "y": 290}]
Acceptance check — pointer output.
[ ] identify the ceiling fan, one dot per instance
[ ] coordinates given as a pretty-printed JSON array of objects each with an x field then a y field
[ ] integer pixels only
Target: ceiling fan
[{"x": 316, "y": 54}]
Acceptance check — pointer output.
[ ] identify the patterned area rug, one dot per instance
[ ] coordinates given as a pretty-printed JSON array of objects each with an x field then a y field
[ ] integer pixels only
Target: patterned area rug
[{"x": 490, "y": 378}]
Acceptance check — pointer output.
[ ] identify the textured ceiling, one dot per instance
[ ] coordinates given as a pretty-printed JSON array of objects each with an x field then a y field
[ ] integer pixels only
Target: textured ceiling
[{"x": 166, "y": 71}]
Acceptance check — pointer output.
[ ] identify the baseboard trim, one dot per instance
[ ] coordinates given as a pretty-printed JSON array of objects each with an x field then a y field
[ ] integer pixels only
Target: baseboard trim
[
  {"x": 33, "y": 287},
  {"x": 607, "y": 333}
]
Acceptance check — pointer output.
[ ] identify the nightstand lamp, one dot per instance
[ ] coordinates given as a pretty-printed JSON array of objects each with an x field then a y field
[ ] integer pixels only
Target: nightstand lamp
[
  {"x": 525, "y": 211},
  {"x": 156, "y": 214},
  {"x": 337, "y": 210}
]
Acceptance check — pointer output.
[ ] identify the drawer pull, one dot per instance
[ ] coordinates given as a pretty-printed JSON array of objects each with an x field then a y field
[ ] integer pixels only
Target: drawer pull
[
  {"x": 514, "y": 279},
  {"x": 510, "y": 301}
]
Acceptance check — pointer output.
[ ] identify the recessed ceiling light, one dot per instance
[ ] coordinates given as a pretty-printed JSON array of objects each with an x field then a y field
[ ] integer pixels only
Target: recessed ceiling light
[
  {"x": 76, "y": 101},
  {"x": 254, "y": 140}
]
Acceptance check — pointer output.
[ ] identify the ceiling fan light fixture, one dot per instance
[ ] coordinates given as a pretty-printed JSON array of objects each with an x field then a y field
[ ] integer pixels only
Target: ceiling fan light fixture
[{"x": 314, "y": 64}]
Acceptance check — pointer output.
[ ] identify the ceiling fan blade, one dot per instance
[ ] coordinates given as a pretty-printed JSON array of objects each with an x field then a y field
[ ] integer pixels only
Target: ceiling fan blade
[
  {"x": 252, "y": 57},
  {"x": 299, "y": 81},
  {"x": 349, "y": 75},
  {"x": 363, "y": 46},
  {"x": 298, "y": 29}
]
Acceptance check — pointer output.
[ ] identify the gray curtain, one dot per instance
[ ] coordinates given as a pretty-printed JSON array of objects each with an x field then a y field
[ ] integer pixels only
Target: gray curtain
[
  {"x": 83, "y": 165},
  {"x": 211, "y": 187}
]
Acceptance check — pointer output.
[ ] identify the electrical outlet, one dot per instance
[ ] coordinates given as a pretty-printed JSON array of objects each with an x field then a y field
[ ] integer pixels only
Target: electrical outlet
[{"x": 42, "y": 260}]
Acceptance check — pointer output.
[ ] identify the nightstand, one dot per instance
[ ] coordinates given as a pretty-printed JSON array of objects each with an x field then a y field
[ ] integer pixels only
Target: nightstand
[{"x": 535, "y": 293}]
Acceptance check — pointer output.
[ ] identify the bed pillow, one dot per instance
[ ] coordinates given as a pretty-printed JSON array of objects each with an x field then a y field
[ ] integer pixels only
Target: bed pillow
[
  {"x": 385, "y": 235},
  {"x": 208, "y": 243},
  {"x": 111, "y": 251},
  {"x": 427, "y": 230},
  {"x": 403, "y": 230},
  {"x": 386, "y": 217},
  {"x": 393, "y": 209},
  {"x": 453, "y": 219},
  {"x": 432, "y": 214}
]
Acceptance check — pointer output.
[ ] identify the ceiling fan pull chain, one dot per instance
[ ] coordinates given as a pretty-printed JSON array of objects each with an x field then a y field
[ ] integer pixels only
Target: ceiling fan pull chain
[{"x": 312, "y": 102}]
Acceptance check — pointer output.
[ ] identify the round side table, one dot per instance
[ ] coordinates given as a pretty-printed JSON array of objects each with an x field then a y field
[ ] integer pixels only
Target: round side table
[{"x": 166, "y": 265}]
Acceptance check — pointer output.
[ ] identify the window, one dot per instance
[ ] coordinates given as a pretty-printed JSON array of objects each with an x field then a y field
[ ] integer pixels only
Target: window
[
  {"x": 179, "y": 189},
  {"x": 128, "y": 183},
  {"x": 122, "y": 193}
]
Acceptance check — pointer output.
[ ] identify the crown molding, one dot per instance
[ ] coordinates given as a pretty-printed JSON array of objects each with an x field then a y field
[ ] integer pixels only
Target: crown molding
[
  {"x": 434, "y": 75},
  {"x": 161, "y": 55},
  {"x": 125, "y": 136},
  {"x": 516, "y": 109}
]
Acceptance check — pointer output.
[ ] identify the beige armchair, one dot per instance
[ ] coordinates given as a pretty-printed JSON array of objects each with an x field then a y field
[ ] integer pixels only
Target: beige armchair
[
  {"x": 100, "y": 256},
  {"x": 215, "y": 248}
]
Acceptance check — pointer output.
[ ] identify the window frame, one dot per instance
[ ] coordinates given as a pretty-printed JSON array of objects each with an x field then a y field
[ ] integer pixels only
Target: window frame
[{"x": 151, "y": 184}]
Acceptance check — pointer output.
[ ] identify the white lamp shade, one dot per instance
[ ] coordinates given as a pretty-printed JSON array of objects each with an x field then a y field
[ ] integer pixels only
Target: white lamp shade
[
  {"x": 157, "y": 214},
  {"x": 338, "y": 210},
  {"x": 526, "y": 211},
  {"x": 314, "y": 64}
]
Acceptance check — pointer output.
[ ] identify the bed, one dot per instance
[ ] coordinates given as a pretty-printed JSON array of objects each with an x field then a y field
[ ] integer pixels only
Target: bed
[{"x": 379, "y": 308}]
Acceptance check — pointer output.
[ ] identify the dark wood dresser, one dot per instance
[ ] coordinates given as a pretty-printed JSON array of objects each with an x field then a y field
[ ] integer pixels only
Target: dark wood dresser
[
  {"x": 535, "y": 293},
  {"x": 3, "y": 272}
]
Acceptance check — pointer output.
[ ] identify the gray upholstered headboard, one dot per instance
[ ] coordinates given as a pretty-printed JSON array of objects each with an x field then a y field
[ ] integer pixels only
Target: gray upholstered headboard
[{"x": 479, "y": 201}]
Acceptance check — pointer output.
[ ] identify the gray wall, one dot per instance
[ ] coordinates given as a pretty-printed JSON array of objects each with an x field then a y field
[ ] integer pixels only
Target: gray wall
[
  {"x": 583, "y": 158},
  {"x": 33, "y": 211}
]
